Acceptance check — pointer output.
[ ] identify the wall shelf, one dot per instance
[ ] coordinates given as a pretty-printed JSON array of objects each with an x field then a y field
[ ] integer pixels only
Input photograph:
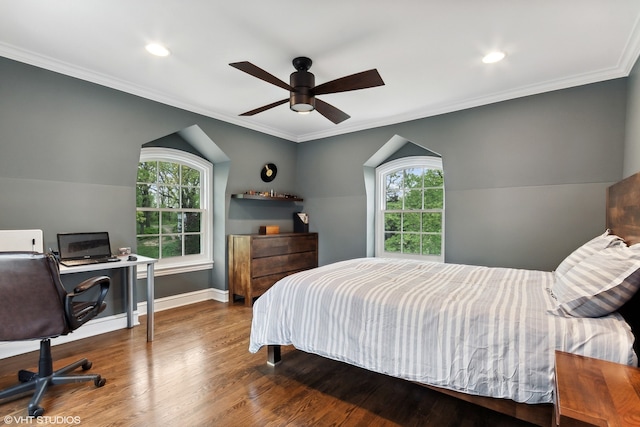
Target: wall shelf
[{"x": 258, "y": 197}]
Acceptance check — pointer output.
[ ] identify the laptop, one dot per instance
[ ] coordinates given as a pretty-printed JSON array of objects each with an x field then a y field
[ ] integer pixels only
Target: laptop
[{"x": 84, "y": 248}]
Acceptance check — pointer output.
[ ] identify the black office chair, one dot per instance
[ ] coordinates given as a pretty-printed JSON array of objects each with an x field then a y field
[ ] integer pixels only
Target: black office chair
[{"x": 35, "y": 305}]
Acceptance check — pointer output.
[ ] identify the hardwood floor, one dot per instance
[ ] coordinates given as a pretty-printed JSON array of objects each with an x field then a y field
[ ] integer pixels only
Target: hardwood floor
[{"x": 199, "y": 372}]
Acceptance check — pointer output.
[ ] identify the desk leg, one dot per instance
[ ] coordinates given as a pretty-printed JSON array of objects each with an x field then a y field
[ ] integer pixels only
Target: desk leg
[
  {"x": 150, "y": 299},
  {"x": 130, "y": 283}
]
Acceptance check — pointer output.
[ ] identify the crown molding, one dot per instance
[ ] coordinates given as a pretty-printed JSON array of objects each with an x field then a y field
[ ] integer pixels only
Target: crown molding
[{"x": 627, "y": 60}]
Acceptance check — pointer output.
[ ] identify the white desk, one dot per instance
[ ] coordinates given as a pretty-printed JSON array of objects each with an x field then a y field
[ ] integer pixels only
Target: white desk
[{"x": 130, "y": 282}]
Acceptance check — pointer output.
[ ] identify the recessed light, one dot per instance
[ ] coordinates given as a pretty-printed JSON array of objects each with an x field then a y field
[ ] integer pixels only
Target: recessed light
[
  {"x": 157, "y": 49},
  {"x": 493, "y": 57}
]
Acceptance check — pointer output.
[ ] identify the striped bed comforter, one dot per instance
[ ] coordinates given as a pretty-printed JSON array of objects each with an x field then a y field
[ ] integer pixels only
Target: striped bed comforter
[{"x": 478, "y": 330}]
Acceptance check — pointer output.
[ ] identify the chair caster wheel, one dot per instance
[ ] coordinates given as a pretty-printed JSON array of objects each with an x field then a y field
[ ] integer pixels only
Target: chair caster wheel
[
  {"x": 36, "y": 412},
  {"x": 26, "y": 376},
  {"x": 87, "y": 365},
  {"x": 99, "y": 382}
]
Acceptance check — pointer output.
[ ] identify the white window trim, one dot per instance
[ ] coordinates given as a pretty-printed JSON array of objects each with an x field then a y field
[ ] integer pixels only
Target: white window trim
[
  {"x": 188, "y": 263},
  {"x": 431, "y": 162}
]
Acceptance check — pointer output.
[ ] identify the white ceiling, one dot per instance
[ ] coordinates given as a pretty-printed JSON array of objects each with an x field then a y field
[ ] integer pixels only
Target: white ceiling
[{"x": 428, "y": 52}]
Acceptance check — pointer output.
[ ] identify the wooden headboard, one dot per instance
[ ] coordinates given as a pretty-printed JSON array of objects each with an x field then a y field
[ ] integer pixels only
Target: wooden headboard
[
  {"x": 623, "y": 209},
  {"x": 623, "y": 219}
]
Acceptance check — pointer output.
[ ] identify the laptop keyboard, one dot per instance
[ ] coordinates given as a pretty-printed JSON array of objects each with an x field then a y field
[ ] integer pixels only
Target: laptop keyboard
[{"x": 77, "y": 262}]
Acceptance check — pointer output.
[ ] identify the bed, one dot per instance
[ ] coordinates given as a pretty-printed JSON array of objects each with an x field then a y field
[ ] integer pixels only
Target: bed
[{"x": 486, "y": 335}]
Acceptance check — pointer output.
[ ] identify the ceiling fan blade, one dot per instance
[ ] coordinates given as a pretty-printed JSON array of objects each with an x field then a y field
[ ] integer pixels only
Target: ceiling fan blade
[
  {"x": 265, "y": 108},
  {"x": 363, "y": 80},
  {"x": 331, "y": 112},
  {"x": 258, "y": 72}
]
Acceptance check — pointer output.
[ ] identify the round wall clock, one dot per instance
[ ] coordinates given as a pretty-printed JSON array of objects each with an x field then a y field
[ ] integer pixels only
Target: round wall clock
[{"x": 268, "y": 172}]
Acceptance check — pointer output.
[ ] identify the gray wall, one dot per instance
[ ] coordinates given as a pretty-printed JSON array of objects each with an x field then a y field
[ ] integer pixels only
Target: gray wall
[
  {"x": 632, "y": 137},
  {"x": 68, "y": 157},
  {"x": 525, "y": 179}
]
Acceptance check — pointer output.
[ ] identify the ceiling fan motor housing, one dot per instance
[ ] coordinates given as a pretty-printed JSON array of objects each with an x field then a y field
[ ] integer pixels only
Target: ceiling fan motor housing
[{"x": 301, "y": 99}]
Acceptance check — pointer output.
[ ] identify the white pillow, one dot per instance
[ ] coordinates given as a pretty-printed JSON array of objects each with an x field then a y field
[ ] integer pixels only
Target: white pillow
[
  {"x": 591, "y": 247},
  {"x": 599, "y": 284}
]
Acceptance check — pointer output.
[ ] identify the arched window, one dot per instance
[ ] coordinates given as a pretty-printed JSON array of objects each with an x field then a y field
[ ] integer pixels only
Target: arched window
[
  {"x": 410, "y": 208},
  {"x": 174, "y": 210}
]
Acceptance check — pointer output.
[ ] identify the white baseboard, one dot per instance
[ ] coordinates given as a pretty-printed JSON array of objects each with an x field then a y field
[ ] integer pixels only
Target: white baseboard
[
  {"x": 179, "y": 300},
  {"x": 115, "y": 322},
  {"x": 92, "y": 327}
]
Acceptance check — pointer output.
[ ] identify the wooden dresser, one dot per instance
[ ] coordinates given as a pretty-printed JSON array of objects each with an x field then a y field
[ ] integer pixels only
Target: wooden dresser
[{"x": 257, "y": 261}]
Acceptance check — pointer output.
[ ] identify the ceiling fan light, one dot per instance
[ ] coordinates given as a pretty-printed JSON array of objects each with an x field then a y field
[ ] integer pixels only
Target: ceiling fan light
[{"x": 302, "y": 108}]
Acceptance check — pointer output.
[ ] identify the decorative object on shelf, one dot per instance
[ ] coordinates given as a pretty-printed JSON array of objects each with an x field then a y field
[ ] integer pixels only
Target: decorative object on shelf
[
  {"x": 300, "y": 222},
  {"x": 268, "y": 172},
  {"x": 266, "y": 195},
  {"x": 269, "y": 229}
]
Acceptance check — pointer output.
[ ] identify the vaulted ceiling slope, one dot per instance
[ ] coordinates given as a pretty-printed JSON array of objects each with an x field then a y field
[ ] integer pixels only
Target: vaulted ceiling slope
[{"x": 427, "y": 52}]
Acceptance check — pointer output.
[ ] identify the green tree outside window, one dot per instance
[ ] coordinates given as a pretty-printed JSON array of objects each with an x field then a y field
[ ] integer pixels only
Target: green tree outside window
[
  {"x": 169, "y": 212},
  {"x": 413, "y": 211}
]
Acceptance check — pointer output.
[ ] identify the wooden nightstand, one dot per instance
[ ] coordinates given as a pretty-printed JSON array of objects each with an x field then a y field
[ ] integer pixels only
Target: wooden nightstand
[{"x": 593, "y": 392}]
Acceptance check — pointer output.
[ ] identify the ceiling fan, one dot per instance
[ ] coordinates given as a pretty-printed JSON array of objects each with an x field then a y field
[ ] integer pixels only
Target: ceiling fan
[{"x": 303, "y": 91}]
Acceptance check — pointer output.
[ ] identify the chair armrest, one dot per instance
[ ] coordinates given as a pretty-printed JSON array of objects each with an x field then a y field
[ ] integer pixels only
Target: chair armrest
[
  {"x": 90, "y": 283},
  {"x": 78, "y": 313}
]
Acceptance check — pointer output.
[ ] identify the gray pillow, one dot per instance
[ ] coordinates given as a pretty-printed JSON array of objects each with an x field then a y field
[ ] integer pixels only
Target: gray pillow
[
  {"x": 594, "y": 245},
  {"x": 599, "y": 284}
]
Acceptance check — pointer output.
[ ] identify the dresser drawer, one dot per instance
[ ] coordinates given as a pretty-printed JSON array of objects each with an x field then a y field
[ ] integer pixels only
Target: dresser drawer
[
  {"x": 283, "y": 263},
  {"x": 283, "y": 245},
  {"x": 260, "y": 285}
]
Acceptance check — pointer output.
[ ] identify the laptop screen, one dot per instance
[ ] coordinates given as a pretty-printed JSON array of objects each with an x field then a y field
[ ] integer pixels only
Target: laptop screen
[{"x": 84, "y": 245}]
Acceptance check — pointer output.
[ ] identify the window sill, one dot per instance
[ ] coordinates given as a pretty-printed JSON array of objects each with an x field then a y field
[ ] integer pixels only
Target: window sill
[
  {"x": 428, "y": 258},
  {"x": 167, "y": 270}
]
